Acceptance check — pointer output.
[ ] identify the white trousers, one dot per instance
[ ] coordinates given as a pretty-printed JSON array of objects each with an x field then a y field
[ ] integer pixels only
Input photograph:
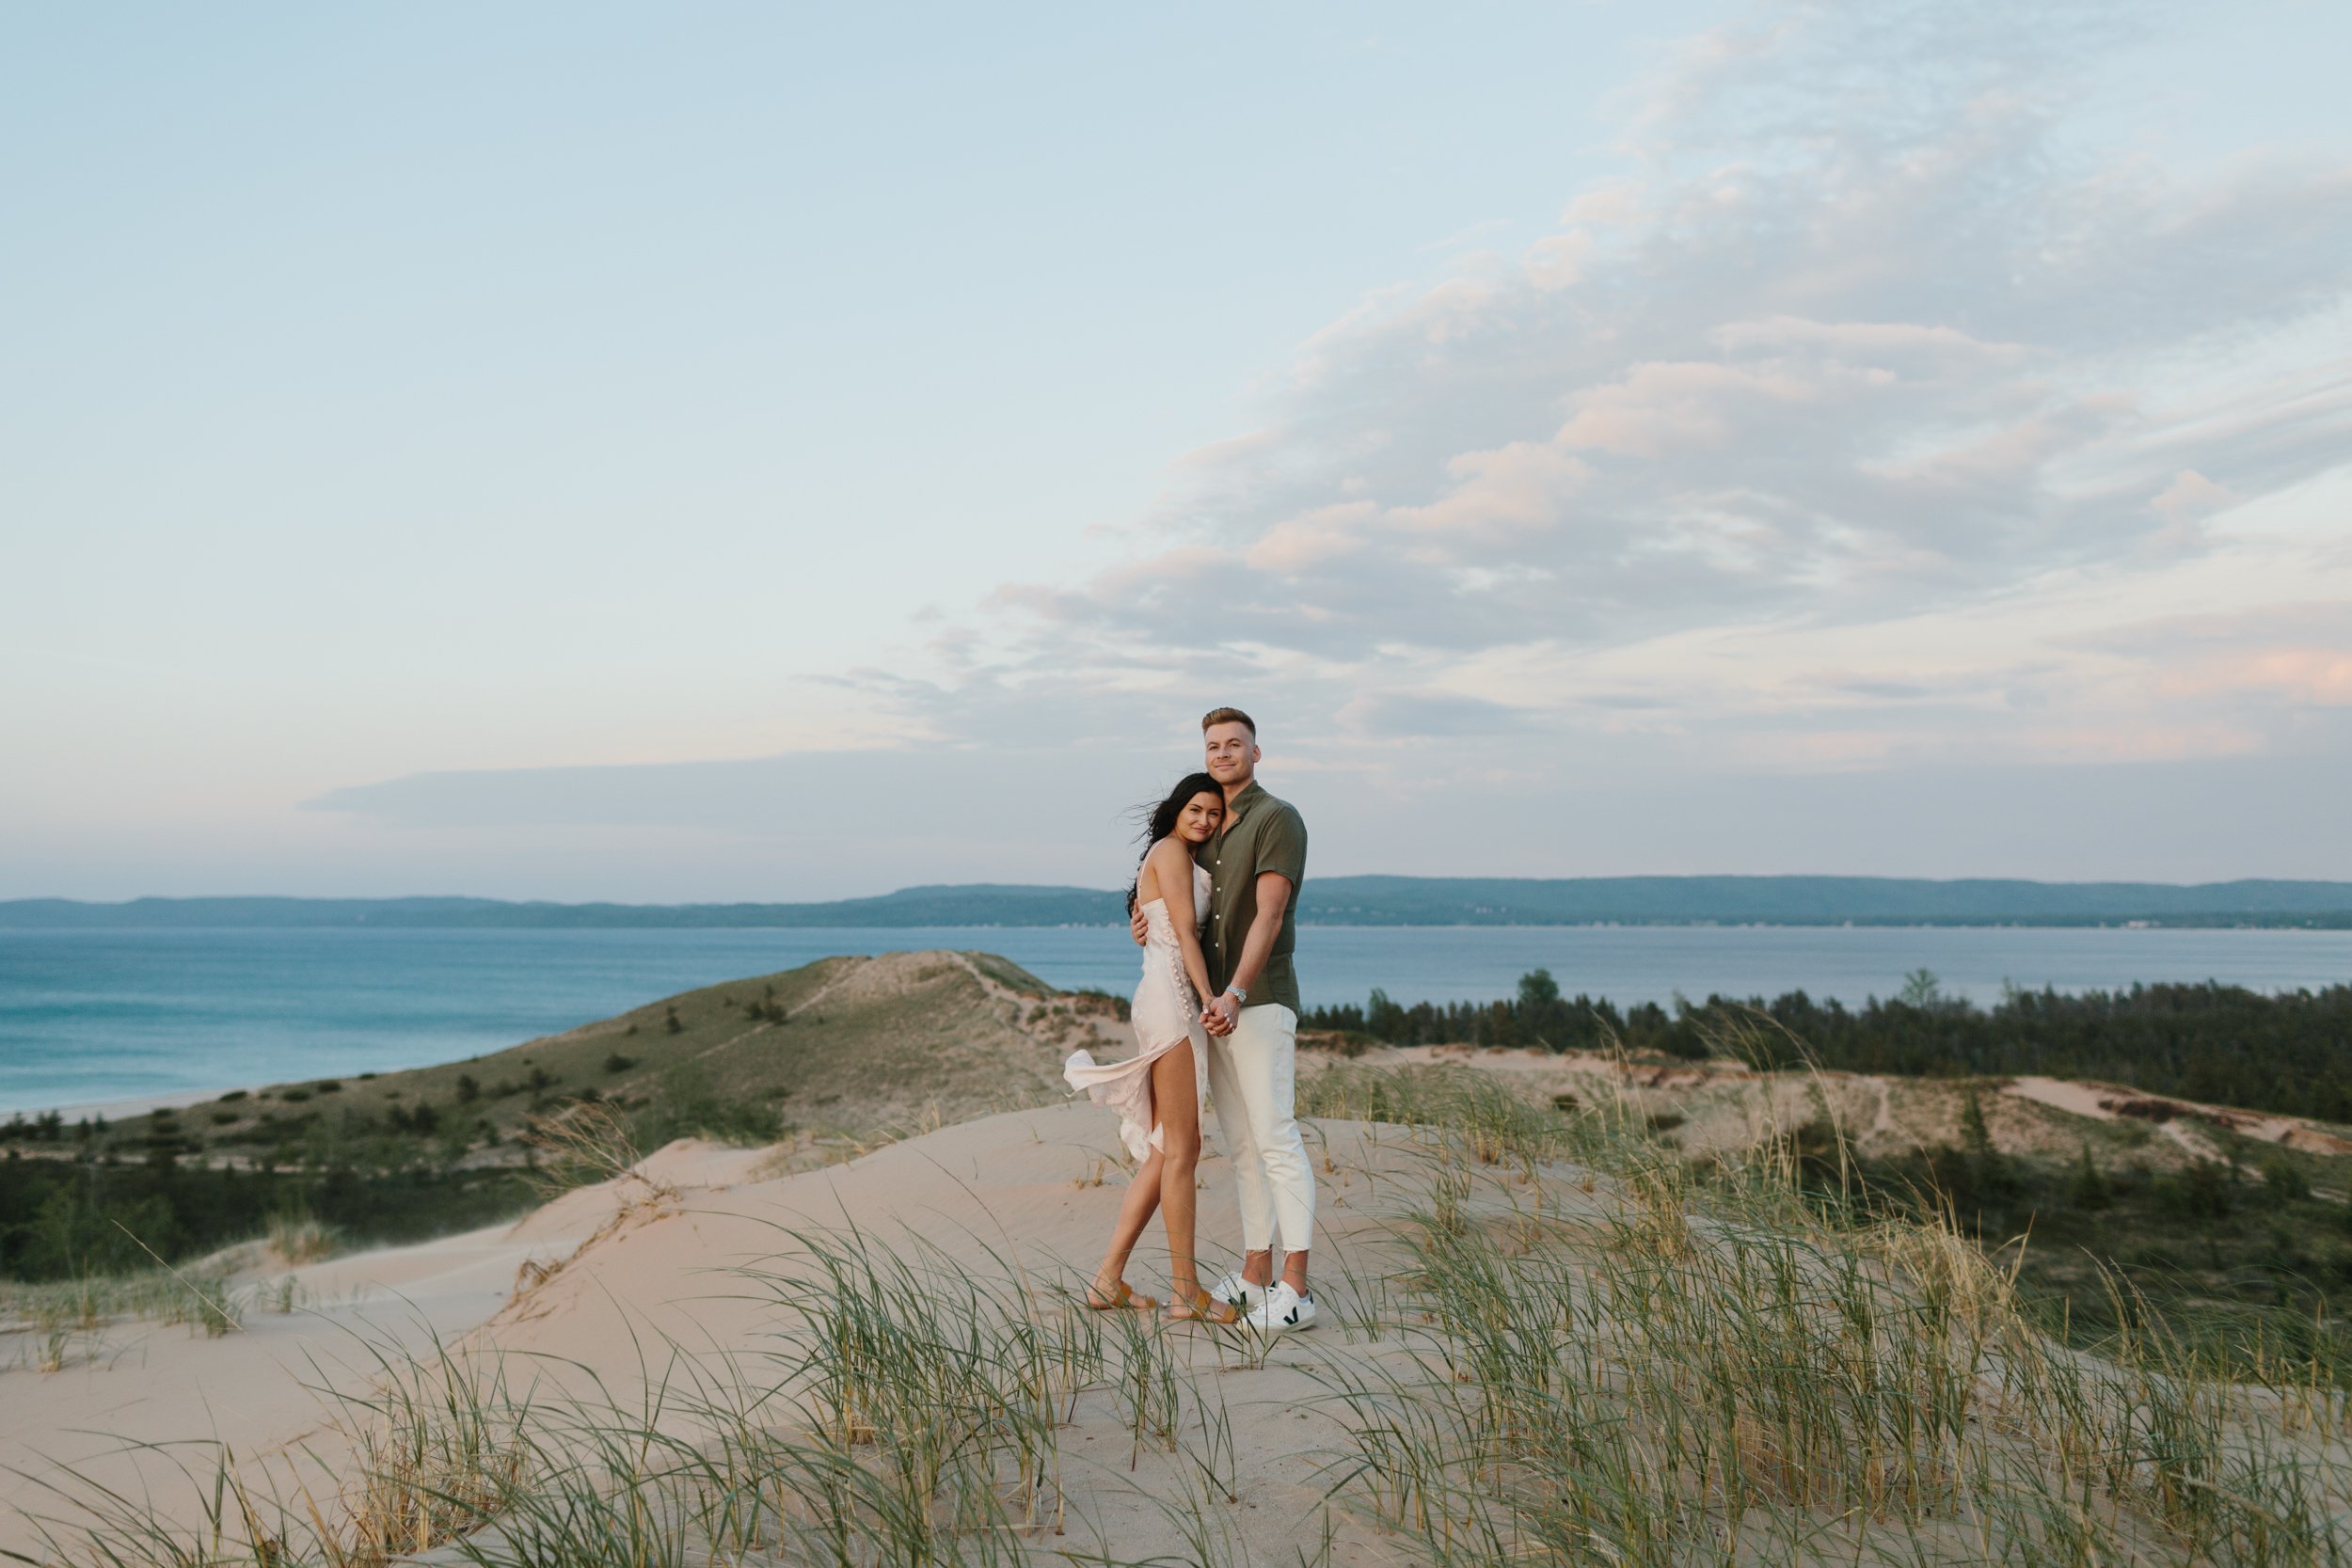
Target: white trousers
[{"x": 1253, "y": 1072}]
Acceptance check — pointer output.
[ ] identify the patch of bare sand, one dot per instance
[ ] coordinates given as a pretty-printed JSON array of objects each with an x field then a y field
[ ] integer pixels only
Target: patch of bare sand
[{"x": 2186, "y": 1122}]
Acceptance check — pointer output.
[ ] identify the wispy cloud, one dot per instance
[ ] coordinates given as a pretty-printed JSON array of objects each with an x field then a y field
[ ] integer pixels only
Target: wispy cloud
[
  {"x": 1864, "y": 335},
  {"x": 1872, "y": 474}
]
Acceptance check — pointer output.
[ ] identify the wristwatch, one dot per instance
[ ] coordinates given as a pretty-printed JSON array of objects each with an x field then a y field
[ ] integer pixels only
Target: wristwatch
[{"x": 1238, "y": 994}]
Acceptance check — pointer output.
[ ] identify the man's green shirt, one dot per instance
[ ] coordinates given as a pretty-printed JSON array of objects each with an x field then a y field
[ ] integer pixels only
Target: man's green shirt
[{"x": 1259, "y": 834}]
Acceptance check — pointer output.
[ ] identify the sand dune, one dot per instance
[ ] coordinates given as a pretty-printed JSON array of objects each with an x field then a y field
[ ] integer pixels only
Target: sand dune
[
  {"x": 609, "y": 1271},
  {"x": 688, "y": 1267},
  {"x": 1720, "y": 1105}
]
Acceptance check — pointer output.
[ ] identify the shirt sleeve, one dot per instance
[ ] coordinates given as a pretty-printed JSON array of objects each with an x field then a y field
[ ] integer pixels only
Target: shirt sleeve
[{"x": 1282, "y": 846}]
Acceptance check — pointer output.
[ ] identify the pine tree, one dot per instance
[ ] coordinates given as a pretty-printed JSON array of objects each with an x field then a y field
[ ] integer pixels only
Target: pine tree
[{"x": 1975, "y": 1137}]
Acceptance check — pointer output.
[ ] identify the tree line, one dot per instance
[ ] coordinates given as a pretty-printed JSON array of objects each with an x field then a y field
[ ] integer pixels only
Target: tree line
[
  {"x": 2289, "y": 1053},
  {"x": 86, "y": 1198}
]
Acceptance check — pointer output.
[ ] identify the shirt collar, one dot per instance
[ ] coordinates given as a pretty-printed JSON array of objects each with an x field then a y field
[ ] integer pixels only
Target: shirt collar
[{"x": 1238, "y": 807}]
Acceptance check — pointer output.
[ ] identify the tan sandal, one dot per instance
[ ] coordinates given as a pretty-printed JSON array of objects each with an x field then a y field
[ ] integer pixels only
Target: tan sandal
[
  {"x": 1121, "y": 1299},
  {"x": 1202, "y": 1308}
]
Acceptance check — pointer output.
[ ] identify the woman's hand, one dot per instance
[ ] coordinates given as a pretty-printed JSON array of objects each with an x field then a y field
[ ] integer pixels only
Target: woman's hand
[
  {"x": 1196, "y": 973},
  {"x": 1137, "y": 924}
]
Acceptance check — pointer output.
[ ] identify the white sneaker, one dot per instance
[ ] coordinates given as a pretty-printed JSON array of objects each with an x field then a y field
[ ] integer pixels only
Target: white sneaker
[
  {"x": 1238, "y": 1291},
  {"x": 1282, "y": 1311}
]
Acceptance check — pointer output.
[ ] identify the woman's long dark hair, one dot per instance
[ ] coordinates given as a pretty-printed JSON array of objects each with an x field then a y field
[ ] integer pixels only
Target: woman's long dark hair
[{"x": 1159, "y": 818}]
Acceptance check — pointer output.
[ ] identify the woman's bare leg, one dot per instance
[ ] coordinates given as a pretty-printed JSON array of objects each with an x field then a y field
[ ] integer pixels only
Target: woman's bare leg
[
  {"x": 1143, "y": 1195},
  {"x": 1178, "y": 1102}
]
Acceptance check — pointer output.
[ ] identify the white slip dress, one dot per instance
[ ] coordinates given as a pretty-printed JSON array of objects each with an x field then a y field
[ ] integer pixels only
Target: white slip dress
[{"x": 1166, "y": 1015}]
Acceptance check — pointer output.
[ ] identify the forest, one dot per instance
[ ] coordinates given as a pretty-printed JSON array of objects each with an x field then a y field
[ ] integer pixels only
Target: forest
[
  {"x": 63, "y": 1218},
  {"x": 2289, "y": 1053}
]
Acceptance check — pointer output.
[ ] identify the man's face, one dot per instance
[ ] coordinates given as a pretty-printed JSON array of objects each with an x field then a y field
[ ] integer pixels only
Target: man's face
[{"x": 1232, "y": 753}]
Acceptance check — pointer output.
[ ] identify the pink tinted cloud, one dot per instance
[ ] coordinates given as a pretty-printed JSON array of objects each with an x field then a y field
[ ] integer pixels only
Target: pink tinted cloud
[{"x": 1807, "y": 362}]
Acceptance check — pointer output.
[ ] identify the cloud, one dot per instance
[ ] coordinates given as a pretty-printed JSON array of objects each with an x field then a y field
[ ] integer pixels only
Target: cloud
[
  {"x": 2190, "y": 498},
  {"x": 1860, "y": 333},
  {"x": 2291, "y": 654},
  {"x": 1867, "y": 434}
]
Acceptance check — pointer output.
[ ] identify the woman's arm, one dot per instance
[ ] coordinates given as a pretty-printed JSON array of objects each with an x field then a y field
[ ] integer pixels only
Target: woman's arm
[
  {"x": 1147, "y": 889},
  {"x": 1172, "y": 862}
]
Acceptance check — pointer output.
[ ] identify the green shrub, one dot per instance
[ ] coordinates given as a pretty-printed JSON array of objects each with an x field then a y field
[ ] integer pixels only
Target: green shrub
[
  {"x": 2200, "y": 1193},
  {"x": 2088, "y": 1187},
  {"x": 686, "y": 1104},
  {"x": 71, "y": 1234},
  {"x": 2283, "y": 1181}
]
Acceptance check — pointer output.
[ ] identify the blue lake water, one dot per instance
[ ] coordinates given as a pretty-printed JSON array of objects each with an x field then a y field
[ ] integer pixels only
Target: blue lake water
[{"x": 92, "y": 1016}]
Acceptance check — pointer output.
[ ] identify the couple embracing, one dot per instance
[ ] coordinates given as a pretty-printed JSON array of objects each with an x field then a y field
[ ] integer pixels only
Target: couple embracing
[{"x": 1214, "y": 905}]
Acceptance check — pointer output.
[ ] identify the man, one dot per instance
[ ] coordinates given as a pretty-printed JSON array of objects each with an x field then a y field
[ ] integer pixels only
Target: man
[{"x": 1256, "y": 861}]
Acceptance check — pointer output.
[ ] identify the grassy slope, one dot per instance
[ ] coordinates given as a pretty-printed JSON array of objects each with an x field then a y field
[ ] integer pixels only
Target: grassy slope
[
  {"x": 2226, "y": 1231},
  {"x": 844, "y": 1043}
]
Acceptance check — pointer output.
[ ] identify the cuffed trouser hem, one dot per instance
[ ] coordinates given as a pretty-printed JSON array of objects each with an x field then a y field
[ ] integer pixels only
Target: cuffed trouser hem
[{"x": 1253, "y": 1072}]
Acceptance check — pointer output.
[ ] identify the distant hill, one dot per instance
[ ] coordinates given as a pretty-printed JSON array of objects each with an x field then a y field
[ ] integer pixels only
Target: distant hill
[
  {"x": 1329, "y": 901},
  {"x": 972, "y": 903},
  {"x": 1815, "y": 901}
]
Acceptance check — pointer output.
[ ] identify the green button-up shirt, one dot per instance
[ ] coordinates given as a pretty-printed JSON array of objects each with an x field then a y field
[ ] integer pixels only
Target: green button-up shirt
[{"x": 1259, "y": 834}]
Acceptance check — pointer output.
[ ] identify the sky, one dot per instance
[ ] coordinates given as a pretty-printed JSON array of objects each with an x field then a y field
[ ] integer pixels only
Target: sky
[{"x": 758, "y": 452}]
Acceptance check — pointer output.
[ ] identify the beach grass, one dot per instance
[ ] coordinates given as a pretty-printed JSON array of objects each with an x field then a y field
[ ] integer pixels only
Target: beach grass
[
  {"x": 1567, "y": 1344},
  {"x": 63, "y": 1321}
]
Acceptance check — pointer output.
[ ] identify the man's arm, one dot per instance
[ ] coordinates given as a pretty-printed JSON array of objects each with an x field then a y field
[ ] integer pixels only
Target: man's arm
[
  {"x": 1272, "y": 892},
  {"x": 1274, "y": 900}
]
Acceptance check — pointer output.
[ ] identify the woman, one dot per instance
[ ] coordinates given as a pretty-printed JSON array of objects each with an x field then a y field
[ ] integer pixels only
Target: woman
[{"x": 1157, "y": 1091}]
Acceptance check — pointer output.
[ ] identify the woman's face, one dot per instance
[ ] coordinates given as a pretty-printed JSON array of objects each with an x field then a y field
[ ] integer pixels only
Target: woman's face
[{"x": 1197, "y": 823}]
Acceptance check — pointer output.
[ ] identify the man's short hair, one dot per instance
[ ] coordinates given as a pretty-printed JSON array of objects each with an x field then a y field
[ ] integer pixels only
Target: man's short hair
[{"x": 1216, "y": 715}]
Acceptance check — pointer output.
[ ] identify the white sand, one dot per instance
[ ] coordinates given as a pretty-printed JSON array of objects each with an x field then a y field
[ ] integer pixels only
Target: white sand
[
  {"x": 648, "y": 1262},
  {"x": 659, "y": 1269},
  {"x": 2192, "y": 1123}
]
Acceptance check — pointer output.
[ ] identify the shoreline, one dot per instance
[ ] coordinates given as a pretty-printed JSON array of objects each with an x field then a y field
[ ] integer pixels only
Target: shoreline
[
  {"x": 135, "y": 1105},
  {"x": 1627, "y": 965}
]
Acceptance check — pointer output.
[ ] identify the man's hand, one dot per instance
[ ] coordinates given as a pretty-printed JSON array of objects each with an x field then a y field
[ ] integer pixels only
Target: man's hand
[
  {"x": 1140, "y": 926},
  {"x": 1219, "y": 1016}
]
